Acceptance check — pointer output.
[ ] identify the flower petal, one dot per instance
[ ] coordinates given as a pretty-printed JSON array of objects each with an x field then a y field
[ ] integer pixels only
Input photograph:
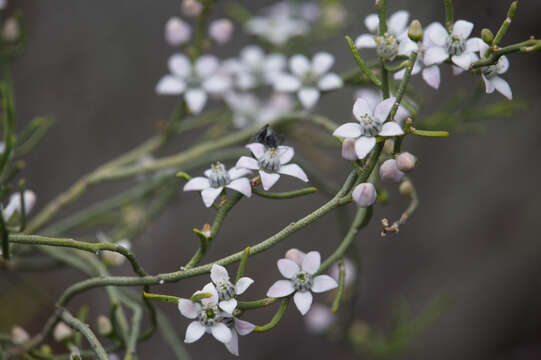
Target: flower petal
[
  {"x": 243, "y": 284},
  {"x": 435, "y": 55},
  {"x": 398, "y": 22},
  {"x": 391, "y": 129},
  {"x": 237, "y": 172},
  {"x": 286, "y": 83},
  {"x": 196, "y": 100},
  {"x": 399, "y": 75},
  {"x": 197, "y": 183},
  {"x": 241, "y": 185},
  {"x": 288, "y": 268},
  {"x": 503, "y": 64},
  {"x": 462, "y": 28},
  {"x": 180, "y": 65},
  {"x": 348, "y": 130},
  {"x": 437, "y": 34},
  {"x": 188, "y": 308},
  {"x": 296, "y": 255},
  {"x": 464, "y": 60},
  {"x": 431, "y": 75},
  {"x": 406, "y": 47},
  {"x": 382, "y": 110},
  {"x": 361, "y": 108},
  {"x": 503, "y": 87},
  {"x": 257, "y": 149},
  {"x": 228, "y": 305},
  {"x": 280, "y": 288},
  {"x": 330, "y": 81},
  {"x": 194, "y": 332},
  {"x": 483, "y": 47},
  {"x": 372, "y": 22},
  {"x": 221, "y": 332},
  {"x": 348, "y": 150},
  {"x": 285, "y": 153},
  {"x": 303, "y": 301},
  {"x": 308, "y": 97},
  {"x": 488, "y": 85},
  {"x": 457, "y": 70},
  {"x": 365, "y": 41},
  {"x": 311, "y": 262},
  {"x": 243, "y": 327},
  {"x": 268, "y": 179},
  {"x": 170, "y": 85},
  {"x": 323, "y": 283},
  {"x": 216, "y": 84},
  {"x": 293, "y": 170},
  {"x": 299, "y": 65},
  {"x": 247, "y": 163},
  {"x": 322, "y": 62},
  {"x": 210, "y": 194},
  {"x": 213, "y": 299},
  {"x": 474, "y": 44},
  {"x": 233, "y": 345},
  {"x": 364, "y": 145},
  {"x": 252, "y": 55},
  {"x": 206, "y": 65},
  {"x": 218, "y": 273}
]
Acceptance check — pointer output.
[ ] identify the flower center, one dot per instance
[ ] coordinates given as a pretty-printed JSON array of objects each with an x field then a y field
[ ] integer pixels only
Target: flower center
[
  {"x": 369, "y": 126},
  {"x": 270, "y": 160},
  {"x": 310, "y": 79},
  {"x": 302, "y": 281},
  {"x": 490, "y": 71},
  {"x": 218, "y": 175},
  {"x": 226, "y": 290},
  {"x": 209, "y": 316},
  {"x": 386, "y": 47},
  {"x": 456, "y": 45}
]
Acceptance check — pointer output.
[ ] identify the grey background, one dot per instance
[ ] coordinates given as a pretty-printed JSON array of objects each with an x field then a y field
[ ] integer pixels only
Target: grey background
[{"x": 475, "y": 238}]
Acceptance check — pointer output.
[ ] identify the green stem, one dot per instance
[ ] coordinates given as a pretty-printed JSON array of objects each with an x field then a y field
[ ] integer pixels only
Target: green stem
[
  {"x": 449, "y": 15},
  {"x": 277, "y": 317},
  {"x": 505, "y": 25},
  {"x": 362, "y": 65},
  {"x": 429, "y": 133},
  {"x": 242, "y": 264},
  {"x": 285, "y": 195},
  {"x": 76, "y": 324},
  {"x": 340, "y": 290},
  {"x": 382, "y": 14},
  {"x": 162, "y": 298},
  {"x": 524, "y": 46},
  {"x": 256, "y": 304}
]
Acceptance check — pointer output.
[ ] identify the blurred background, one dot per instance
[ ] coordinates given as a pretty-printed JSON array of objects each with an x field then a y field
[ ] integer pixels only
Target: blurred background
[{"x": 474, "y": 240}]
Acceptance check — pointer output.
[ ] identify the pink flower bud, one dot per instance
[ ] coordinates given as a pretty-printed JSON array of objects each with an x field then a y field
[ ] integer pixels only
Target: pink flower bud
[
  {"x": 10, "y": 32},
  {"x": 177, "y": 31},
  {"x": 348, "y": 149},
  {"x": 319, "y": 318},
  {"x": 364, "y": 194},
  {"x": 191, "y": 8},
  {"x": 296, "y": 255},
  {"x": 19, "y": 335},
  {"x": 221, "y": 30},
  {"x": 405, "y": 162},
  {"x": 389, "y": 172}
]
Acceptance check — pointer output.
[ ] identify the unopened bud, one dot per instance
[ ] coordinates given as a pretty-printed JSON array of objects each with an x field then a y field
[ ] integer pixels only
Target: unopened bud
[
  {"x": 105, "y": 328},
  {"x": 191, "y": 8},
  {"x": 11, "y": 32},
  {"x": 487, "y": 36},
  {"x": 406, "y": 188},
  {"x": 19, "y": 335},
  {"x": 206, "y": 231},
  {"x": 388, "y": 147},
  {"x": 221, "y": 30},
  {"x": 75, "y": 354},
  {"x": 389, "y": 172},
  {"x": 113, "y": 258},
  {"x": 177, "y": 31},
  {"x": 405, "y": 161},
  {"x": 296, "y": 255},
  {"x": 348, "y": 149},
  {"x": 364, "y": 194},
  {"x": 62, "y": 332},
  {"x": 415, "y": 31}
]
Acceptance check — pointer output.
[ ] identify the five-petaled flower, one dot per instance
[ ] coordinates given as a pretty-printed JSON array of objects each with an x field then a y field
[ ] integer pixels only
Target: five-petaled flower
[
  {"x": 309, "y": 78},
  {"x": 194, "y": 81},
  {"x": 271, "y": 162},
  {"x": 238, "y": 327},
  {"x": 371, "y": 123},
  {"x": 455, "y": 45},
  {"x": 227, "y": 291},
  {"x": 301, "y": 280},
  {"x": 207, "y": 317},
  {"x": 490, "y": 74},
  {"x": 217, "y": 177}
]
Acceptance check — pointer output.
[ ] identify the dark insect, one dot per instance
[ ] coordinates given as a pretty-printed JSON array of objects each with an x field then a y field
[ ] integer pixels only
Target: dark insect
[{"x": 268, "y": 137}]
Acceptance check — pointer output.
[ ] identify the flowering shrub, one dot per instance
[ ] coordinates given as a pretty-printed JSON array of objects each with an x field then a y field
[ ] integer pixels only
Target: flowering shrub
[{"x": 264, "y": 92}]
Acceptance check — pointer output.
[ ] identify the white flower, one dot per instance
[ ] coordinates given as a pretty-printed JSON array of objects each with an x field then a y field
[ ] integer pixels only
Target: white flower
[
  {"x": 301, "y": 281},
  {"x": 238, "y": 327},
  {"x": 255, "y": 68},
  {"x": 374, "y": 97},
  {"x": 431, "y": 73},
  {"x": 249, "y": 110},
  {"x": 14, "y": 203},
  {"x": 208, "y": 317},
  {"x": 62, "y": 332},
  {"x": 3, "y": 4},
  {"x": 455, "y": 45},
  {"x": 217, "y": 177},
  {"x": 319, "y": 318},
  {"x": 371, "y": 123},
  {"x": 227, "y": 291},
  {"x": 270, "y": 163},
  {"x": 194, "y": 81},
  {"x": 309, "y": 78},
  {"x": 394, "y": 42},
  {"x": 490, "y": 74},
  {"x": 364, "y": 195},
  {"x": 221, "y": 30},
  {"x": 177, "y": 31}
]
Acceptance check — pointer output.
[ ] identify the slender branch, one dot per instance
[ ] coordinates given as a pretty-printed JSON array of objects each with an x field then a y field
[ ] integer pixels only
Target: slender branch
[
  {"x": 242, "y": 264},
  {"x": 362, "y": 65},
  {"x": 249, "y": 305},
  {"x": 285, "y": 195},
  {"x": 449, "y": 15},
  {"x": 524, "y": 46},
  {"x": 340, "y": 290},
  {"x": 162, "y": 298},
  {"x": 506, "y": 23},
  {"x": 76, "y": 324},
  {"x": 276, "y": 318}
]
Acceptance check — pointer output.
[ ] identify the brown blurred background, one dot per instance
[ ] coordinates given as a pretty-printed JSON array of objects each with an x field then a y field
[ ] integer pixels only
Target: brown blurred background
[{"x": 475, "y": 238}]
